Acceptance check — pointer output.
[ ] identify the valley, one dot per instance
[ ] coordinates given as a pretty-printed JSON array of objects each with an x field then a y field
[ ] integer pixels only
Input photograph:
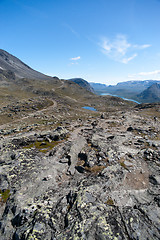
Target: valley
[
  {"x": 146, "y": 91},
  {"x": 71, "y": 173}
]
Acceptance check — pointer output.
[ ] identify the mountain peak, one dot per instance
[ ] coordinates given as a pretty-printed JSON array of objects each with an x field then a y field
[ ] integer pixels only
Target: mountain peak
[
  {"x": 151, "y": 94},
  {"x": 8, "y": 62},
  {"x": 83, "y": 83}
]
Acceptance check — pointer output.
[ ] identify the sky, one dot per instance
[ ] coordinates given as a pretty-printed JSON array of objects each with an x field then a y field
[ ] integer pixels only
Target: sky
[{"x": 99, "y": 40}]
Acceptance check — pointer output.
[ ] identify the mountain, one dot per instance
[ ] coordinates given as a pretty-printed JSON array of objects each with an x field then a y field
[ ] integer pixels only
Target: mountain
[
  {"x": 151, "y": 94},
  {"x": 136, "y": 85},
  {"x": 83, "y": 83},
  {"x": 70, "y": 173},
  {"x": 11, "y": 63},
  {"x": 98, "y": 86},
  {"x": 129, "y": 89},
  {"x": 19, "y": 81}
]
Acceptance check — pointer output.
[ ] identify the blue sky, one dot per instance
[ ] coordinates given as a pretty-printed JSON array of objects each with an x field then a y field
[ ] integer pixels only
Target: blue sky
[{"x": 99, "y": 40}]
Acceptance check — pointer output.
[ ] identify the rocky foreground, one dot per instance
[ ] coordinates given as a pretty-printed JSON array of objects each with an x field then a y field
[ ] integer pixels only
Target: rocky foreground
[{"x": 86, "y": 179}]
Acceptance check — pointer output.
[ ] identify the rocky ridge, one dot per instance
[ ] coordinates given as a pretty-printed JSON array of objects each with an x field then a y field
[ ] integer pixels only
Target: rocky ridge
[
  {"x": 93, "y": 178},
  {"x": 151, "y": 94},
  {"x": 83, "y": 83},
  {"x": 11, "y": 64}
]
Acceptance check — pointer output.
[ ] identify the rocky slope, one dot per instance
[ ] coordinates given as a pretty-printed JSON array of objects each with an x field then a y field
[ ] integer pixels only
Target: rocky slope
[
  {"x": 11, "y": 63},
  {"x": 71, "y": 173},
  {"x": 83, "y": 83},
  {"x": 151, "y": 94},
  {"x": 89, "y": 178}
]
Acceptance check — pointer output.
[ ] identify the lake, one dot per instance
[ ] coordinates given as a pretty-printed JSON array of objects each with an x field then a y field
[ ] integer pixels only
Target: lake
[
  {"x": 127, "y": 99},
  {"x": 90, "y": 108}
]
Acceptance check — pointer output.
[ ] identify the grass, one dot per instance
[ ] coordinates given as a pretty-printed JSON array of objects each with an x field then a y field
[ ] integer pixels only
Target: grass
[
  {"x": 43, "y": 146},
  {"x": 4, "y": 195},
  {"x": 123, "y": 164},
  {"x": 110, "y": 202},
  {"x": 95, "y": 169}
]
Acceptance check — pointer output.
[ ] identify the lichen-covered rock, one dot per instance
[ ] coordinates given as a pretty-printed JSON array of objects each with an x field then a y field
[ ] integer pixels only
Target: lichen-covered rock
[{"x": 96, "y": 181}]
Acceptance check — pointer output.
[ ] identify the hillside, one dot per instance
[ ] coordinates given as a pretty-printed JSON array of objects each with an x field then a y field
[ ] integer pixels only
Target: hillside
[
  {"x": 70, "y": 173},
  {"x": 151, "y": 94},
  {"x": 98, "y": 86},
  {"x": 83, "y": 83},
  {"x": 11, "y": 63}
]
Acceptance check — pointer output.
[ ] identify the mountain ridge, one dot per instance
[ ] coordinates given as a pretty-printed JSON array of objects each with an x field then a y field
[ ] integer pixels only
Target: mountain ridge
[
  {"x": 83, "y": 83},
  {"x": 151, "y": 94},
  {"x": 20, "y": 69},
  {"x": 129, "y": 89}
]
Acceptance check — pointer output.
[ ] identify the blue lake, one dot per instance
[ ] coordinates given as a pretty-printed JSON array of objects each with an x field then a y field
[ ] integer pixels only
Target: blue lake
[
  {"x": 120, "y": 97},
  {"x": 90, "y": 108}
]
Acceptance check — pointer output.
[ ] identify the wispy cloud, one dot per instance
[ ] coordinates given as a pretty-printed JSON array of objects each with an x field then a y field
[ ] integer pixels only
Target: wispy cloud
[
  {"x": 149, "y": 73},
  {"x": 142, "y": 75},
  {"x": 119, "y": 49},
  {"x": 71, "y": 29},
  {"x": 126, "y": 60},
  {"x": 142, "y": 46},
  {"x": 75, "y": 58}
]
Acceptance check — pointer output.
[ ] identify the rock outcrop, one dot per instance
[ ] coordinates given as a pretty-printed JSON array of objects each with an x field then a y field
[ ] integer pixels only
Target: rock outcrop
[
  {"x": 92, "y": 179},
  {"x": 83, "y": 83}
]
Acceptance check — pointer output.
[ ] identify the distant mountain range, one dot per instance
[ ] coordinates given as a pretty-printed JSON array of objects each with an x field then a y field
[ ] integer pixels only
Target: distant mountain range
[
  {"x": 98, "y": 86},
  {"x": 11, "y": 68},
  {"x": 141, "y": 91}
]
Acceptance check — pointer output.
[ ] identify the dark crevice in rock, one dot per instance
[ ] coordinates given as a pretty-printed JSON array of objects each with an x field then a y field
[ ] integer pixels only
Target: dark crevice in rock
[
  {"x": 82, "y": 157},
  {"x": 71, "y": 198},
  {"x": 15, "y": 236},
  {"x": 80, "y": 169},
  {"x": 69, "y": 160},
  {"x": 124, "y": 224},
  {"x": 153, "y": 180}
]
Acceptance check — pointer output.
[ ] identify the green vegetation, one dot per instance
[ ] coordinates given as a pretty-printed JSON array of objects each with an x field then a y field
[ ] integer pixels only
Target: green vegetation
[
  {"x": 4, "y": 195},
  {"x": 95, "y": 169},
  {"x": 43, "y": 146},
  {"x": 110, "y": 202},
  {"x": 123, "y": 165}
]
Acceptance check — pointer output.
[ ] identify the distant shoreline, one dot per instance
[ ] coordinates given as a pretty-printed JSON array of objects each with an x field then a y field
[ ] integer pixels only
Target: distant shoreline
[{"x": 103, "y": 94}]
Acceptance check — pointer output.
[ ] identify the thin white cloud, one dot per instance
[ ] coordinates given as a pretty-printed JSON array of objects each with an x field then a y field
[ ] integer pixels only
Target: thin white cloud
[
  {"x": 119, "y": 49},
  {"x": 126, "y": 60},
  {"x": 142, "y": 46},
  {"x": 143, "y": 75},
  {"x": 75, "y": 58},
  {"x": 74, "y": 63},
  {"x": 71, "y": 29},
  {"x": 149, "y": 73}
]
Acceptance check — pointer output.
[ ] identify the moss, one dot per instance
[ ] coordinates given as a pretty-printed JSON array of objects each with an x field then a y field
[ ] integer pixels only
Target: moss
[
  {"x": 4, "y": 195},
  {"x": 95, "y": 169},
  {"x": 123, "y": 165},
  {"x": 110, "y": 202},
  {"x": 43, "y": 146}
]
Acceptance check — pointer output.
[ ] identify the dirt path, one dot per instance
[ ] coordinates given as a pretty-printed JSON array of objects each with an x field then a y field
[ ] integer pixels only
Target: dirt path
[{"x": 31, "y": 114}]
